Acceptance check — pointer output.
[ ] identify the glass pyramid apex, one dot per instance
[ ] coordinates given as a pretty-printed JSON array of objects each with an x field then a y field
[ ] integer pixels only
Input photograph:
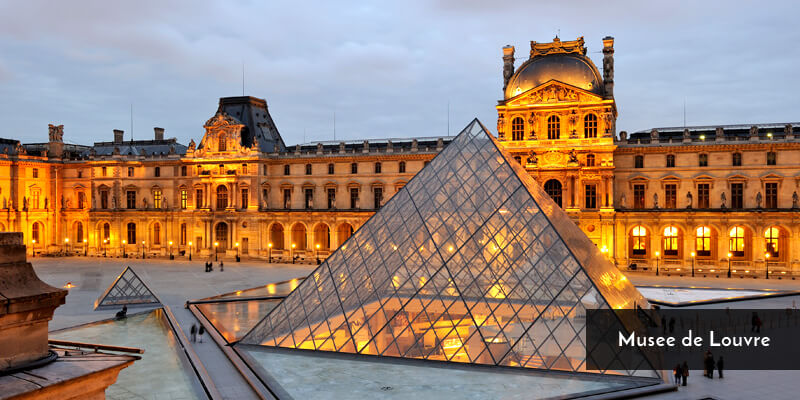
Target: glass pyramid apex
[
  {"x": 470, "y": 262},
  {"x": 127, "y": 290}
]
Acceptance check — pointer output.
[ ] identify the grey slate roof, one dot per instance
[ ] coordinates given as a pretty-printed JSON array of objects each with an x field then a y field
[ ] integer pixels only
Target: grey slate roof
[
  {"x": 259, "y": 126},
  {"x": 709, "y": 132}
]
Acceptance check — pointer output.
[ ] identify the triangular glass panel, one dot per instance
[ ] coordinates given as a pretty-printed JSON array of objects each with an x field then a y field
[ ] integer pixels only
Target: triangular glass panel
[
  {"x": 127, "y": 290},
  {"x": 470, "y": 262}
]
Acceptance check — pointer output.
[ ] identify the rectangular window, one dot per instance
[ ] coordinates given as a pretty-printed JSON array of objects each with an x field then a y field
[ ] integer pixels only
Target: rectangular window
[
  {"x": 265, "y": 197},
  {"x": 702, "y": 160},
  {"x": 402, "y": 167},
  {"x": 670, "y": 161},
  {"x": 157, "y": 199},
  {"x": 184, "y": 170},
  {"x": 245, "y": 198},
  {"x": 244, "y": 169},
  {"x": 590, "y": 196},
  {"x": 638, "y": 196},
  {"x": 771, "y": 198},
  {"x": 330, "y": 169},
  {"x": 81, "y": 199},
  {"x": 287, "y": 198},
  {"x": 353, "y": 197},
  {"x": 130, "y": 197},
  {"x": 638, "y": 162},
  {"x": 184, "y": 199},
  {"x": 377, "y": 193},
  {"x": 35, "y": 200},
  {"x": 183, "y": 235},
  {"x": 198, "y": 198},
  {"x": 130, "y": 172},
  {"x": 157, "y": 172},
  {"x": 308, "y": 169},
  {"x": 772, "y": 158},
  {"x": 104, "y": 199},
  {"x": 703, "y": 190},
  {"x": 331, "y": 198},
  {"x": 378, "y": 168},
  {"x": 286, "y": 169},
  {"x": 36, "y": 172},
  {"x": 309, "y": 193},
  {"x": 104, "y": 171},
  {"x": 737, "y": 195},
  {"x": 354, "y": 168},
  {"x": 670, "y": 196}
]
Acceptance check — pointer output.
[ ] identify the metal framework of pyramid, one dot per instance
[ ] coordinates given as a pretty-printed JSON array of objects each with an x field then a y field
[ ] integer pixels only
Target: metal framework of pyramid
[
  {"x": 129, "y": 290},
  {"x": 470, "y": 262}
]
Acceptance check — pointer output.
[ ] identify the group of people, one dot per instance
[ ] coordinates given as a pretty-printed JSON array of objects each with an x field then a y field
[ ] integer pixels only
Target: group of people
[
  {"x": 681, "y": 373},
  {"x": 210, "y": 266},
  {"x": 195, "y": 332},
  {"x": 709, "y": 363}
]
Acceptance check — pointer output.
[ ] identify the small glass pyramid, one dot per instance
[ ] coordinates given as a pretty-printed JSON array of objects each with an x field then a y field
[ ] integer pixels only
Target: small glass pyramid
[
  {"x": 128, "y": 289},
  {"x": 470, "y": 262}
]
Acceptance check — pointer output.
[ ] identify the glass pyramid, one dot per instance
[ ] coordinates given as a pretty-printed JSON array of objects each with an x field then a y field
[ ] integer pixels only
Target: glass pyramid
[
  {"x": 470, "y": 262},
  {"x": 128, "y": 289}
]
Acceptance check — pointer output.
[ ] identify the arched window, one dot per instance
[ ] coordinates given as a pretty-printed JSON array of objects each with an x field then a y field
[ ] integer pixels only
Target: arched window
[
  {"x": 639, "y": 240},
  {"x": 670, "y": 241},
  {"x": 131, "y": 233},
  {"x": 344, "y": 231},
  {"x": 517, "y": 128},
  {"x": 322, "y": 237},
  {"x": 703, "y": 244},
  {"x": 518, "y": 159},
  {"x": 222, "y": 197},
  {"x": 276, "y": 236},
  {"x": 590, "y": 126},
  {"x": 638, "y": 161},
  {"x": 773, "y": 241},
  {"x": 78, "y": 232},
  {"x": 736, "y": 241},
  {"x": 402, "y": 167},
  {"x": 35, "y": 229},
  {"x": 553, "y": 188},
  {"x": 590, "y": 160},
  {"x": 183, "y": 235},
  {"x": 156, "y": 233},
  {"x": 106, "y": 232},
  {"x": 299, "y": 236},
  {"x": 737, "y": 160},
  {"x": 221, "y": 237},
  {"x": 553, "y": 127}
]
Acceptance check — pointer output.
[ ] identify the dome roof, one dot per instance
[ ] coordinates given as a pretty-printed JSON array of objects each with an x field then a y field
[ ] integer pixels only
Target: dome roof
[{"x": 573, "y": 69}]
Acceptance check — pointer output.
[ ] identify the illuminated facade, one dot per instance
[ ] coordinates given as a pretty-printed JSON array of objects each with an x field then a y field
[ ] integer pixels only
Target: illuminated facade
[{"x": 672, "y": 198}]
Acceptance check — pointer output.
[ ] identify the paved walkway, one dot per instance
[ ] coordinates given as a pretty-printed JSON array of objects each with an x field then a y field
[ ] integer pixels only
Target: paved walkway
[{"x": 174, "y": 282}]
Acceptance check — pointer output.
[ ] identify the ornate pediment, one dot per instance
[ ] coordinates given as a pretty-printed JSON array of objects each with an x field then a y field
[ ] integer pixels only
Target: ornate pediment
[
  {"x": 223, "y": 137},
  {"x": 554, "y": 92},
  {"x": 553, "y": 159}
]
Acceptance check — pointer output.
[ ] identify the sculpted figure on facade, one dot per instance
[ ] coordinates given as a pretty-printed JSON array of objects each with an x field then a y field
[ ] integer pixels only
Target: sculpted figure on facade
[
  {"x": 655, "y": 200},
  {"x": 114, "y": 202},
  {"x": 55, "y": 132},
  {"x": 689, "y": 199},
  {"x": 533, "y": 121},
  {"x": 500, "y": 123},
  {"x": 794, "y": 199},
  {"x": 723, "y": 198},
  {"x": 532, "y": 159},
  {"x": 758, "y": 200},
  {"x": 622, "y": 201}
]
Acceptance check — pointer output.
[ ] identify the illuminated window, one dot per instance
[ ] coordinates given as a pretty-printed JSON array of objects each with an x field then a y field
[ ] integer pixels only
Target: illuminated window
[
  {"x": 517, "y": 128},
  {"x": 638, "y": 196},
  {"x": 639, "y": 238},
  {"x": 184, "y": 199},
  {"x": 106, "y": 231},
  {"x": 402, "y": 167},
  {"x": 771, "y": 158},
  {"x": 590, "y": 126},
  {"x": 222, "y": 197},
  {"x": 670, "y": 241},
  {"x": 35, "y": 232},
  {"x": 703, "y": 243},
  {"x": 590, "y": 160},
  {"x": 553, "y": 127},
  {"x": 553, "y": 188},
  {"x": 702, "y": 160},
  {"x": 670, "y": 161},
  {"x": 737, "y": 160},
  {"x": 638, "y": 161},
  {"x": 157, "y": 198},
  {"x": 736, "y": 241},
  {"x": 772, "y": 237}
]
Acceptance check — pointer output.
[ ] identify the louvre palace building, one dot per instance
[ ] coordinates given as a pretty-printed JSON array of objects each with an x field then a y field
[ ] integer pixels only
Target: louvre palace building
[{"x": 704, "y": 198}]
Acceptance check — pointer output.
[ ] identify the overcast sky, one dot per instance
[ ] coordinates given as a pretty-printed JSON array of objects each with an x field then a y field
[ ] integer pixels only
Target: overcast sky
[{"x": 385, "y": 69}]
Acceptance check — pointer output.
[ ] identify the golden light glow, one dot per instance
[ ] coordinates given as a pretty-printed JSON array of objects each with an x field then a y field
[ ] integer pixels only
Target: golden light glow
[
  {"x": 269, "y": 245},
  {"x": 317, "y": 246},
  {"x": 69, "y": 285},
  {"x": 694, "y": 254},
  {"x": 124, "y": 241},
  {"x": 190, "y": 243},
  {"x": 236, "y": 244},
  {"x": 396, "y": 281},
  {"x": 294, "y": 245},
  {"x": 730, "y": 255},
  {"x": 170, "y": 242},
  {"x": 293, "y": 283},
  {"x": 422, "y": 281},
  {"x": 450, "y": 248},
  {"x": 66, "y": 240},
  {"x": 271, "y": 288},
  {"x": 497, "y": 291},
  {"x": 85, "y": 240}
]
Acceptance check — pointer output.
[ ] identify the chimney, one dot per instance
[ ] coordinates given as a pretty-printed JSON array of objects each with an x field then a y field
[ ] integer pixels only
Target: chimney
[
  {"x": 159, "y": 133},
  {"x": 508, "y": 64},
  {"x": 118, "y": 136},
  {"x": 608, "y": 66}
]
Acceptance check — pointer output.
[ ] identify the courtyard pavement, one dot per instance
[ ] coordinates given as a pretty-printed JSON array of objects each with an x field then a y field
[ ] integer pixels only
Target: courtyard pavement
[{"x": 177, "y": 281}]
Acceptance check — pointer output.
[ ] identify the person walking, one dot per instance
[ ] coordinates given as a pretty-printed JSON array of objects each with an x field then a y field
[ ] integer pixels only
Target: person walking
[
  {"x": 193, "y": 332},
  {"x": 685, "y": 372},
  {"x": 719, "y": 366},
  {"x": 221, "y": 267},
  {"x": 678, "y": 373},
  {"x": 200, "y": 333}
]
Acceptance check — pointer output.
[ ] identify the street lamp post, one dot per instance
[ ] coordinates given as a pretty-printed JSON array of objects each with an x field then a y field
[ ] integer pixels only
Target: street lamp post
[
  {"x": 317, "y": 254},
  {"x": 238, "y": 259},
  {"x": 143, "y": 255},
  {"x": 729, "y": 264},
  {"x": 693, "y": 254},
  {"x": 85, "y": 247},
  {"x": 105, "y": 242},
  {"x": 216, "y": 254},
  {"x": 766, "y": 264},
  {"x": 269, "y": 250},
  {"x": 190, "y": 251},
  {"x": 124, "y": 251},
  {"x": 33, "y": 244},
  {"x": 66, "y": 245},
  {"x": 171, "y": 257},
  {"x": 291, "y": 253},
  {"x": 657, "y": 254}
]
